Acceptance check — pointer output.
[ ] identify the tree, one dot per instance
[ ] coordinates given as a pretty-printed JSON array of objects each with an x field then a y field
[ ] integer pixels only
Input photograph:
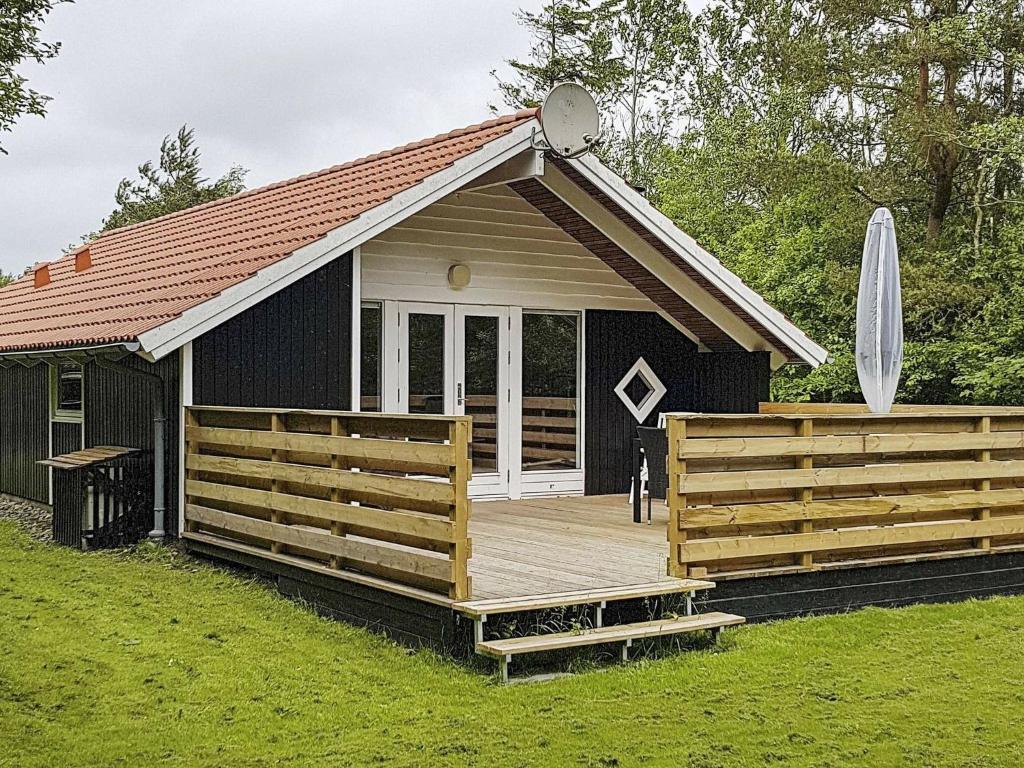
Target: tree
[
  {"x": 5, "y": 278},
  {"x": 20, "y": 26},
  {"x": 651, "y": 44},
  {"x": 176, "y": 184},
  {"x": 569, "y": 43},
  {"x": 805, "y": 115},
  {"x": 789, "y": 122},
  {"x": 628, "y": 54}
]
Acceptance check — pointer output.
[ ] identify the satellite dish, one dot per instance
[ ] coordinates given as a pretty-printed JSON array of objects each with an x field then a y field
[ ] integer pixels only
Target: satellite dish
[{"x": 570, "y": 120}]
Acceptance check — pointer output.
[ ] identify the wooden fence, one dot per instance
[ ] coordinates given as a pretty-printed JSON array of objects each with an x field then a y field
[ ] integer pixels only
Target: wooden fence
[
  {"x": 827, "y": 487},
  {"x": 378, "y": 497}
]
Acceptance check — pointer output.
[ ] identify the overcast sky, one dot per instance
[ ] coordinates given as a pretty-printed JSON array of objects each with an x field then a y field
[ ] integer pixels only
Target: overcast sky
[{"x": 280, "y": 88}]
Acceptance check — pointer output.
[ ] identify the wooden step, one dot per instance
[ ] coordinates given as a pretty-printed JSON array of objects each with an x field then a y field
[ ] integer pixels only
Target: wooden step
[
  {"x": 618, "y": 633},
  {"x": 477, "y": 608}
]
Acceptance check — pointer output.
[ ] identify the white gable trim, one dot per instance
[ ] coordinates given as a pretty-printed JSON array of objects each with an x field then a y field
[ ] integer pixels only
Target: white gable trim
[
  {"x": 688, "y": 249},
  {"x": 164, "y": 339},
  {"x": 655, "y": 262}
]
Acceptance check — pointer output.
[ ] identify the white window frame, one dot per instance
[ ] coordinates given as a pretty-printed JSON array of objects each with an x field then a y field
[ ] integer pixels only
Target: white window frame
[
  {"x": 357, "y": 357},
  {"x": 488, "y": 484},
  {"x": 554, "y": 482},
  {"x": 520, "y": 484},
  {"x": 656, "y": 390},
  {"x": 57, "y": 414}
]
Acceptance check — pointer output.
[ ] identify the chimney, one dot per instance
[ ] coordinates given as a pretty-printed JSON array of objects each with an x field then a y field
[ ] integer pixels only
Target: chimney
[
  {"x": 41, "y": 275},
  {"x": 83, "y": 260}
]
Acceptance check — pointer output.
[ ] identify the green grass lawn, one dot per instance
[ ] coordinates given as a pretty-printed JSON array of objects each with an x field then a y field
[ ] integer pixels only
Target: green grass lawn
[{"x": 112, "y": 659}]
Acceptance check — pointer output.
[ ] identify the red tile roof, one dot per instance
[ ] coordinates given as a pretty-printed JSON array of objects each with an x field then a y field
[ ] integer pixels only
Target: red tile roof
[{"x": 144, "y": 275}]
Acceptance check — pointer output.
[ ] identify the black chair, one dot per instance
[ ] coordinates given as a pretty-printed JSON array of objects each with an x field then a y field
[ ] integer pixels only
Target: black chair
[{"x": 654, "y": 442}]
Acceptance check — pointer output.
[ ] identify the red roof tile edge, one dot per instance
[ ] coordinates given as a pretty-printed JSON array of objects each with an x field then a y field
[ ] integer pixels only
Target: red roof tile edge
[{"x": 523, "y": 114}]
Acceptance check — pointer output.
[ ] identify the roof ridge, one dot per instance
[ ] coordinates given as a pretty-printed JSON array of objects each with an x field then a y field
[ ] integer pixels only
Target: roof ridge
[
  {"x": 148, "y": 273},
  {"x": 522, "y": 114}
]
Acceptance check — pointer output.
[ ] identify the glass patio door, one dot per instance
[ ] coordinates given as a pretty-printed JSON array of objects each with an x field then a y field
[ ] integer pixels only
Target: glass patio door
[
  {"x": 454, "y": 359},
  {"x": 426, "y": 346},
  {"x": 482, "y": 391}
]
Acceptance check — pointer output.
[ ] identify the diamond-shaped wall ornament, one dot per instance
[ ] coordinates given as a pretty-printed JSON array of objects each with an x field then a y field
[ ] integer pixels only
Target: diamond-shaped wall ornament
[{"x": 640, "y": 379}]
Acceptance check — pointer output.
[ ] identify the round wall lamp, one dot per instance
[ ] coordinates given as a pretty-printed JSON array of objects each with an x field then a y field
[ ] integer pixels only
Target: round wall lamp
[{"x": 458, "y": 275}]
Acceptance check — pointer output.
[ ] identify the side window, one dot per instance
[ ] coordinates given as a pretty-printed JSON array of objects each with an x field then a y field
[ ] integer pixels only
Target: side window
[
  {"x": 66, "y": 390},
  {"x": 371, "y": 327}
]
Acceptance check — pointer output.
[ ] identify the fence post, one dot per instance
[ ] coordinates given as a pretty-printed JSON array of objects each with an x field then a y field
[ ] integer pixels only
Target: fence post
[
  {"x": 805, "y": 429},
  {"x": 984, "y": 424},
  {"x": 337, "y": 529},
  {"x": 458, "y": 476},
  {"x": 190, "y": 450},
  {"x": 275, "y": 455},
  {"x": 676, "y": 502}
]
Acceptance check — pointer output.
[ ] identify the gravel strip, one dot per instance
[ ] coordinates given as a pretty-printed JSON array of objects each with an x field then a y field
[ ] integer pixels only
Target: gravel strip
[{"x": 35, "y": 518}]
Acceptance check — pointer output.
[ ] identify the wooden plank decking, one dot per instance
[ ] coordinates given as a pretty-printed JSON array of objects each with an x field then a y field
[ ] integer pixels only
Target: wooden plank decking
[{"x": 539, "y": 546}]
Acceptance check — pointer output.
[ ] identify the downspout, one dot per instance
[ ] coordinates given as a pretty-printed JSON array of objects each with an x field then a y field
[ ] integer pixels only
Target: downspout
[{"x": 159, "y": 420}]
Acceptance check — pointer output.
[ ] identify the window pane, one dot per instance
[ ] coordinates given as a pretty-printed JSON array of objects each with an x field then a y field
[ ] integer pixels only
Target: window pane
[
  {"x": 550, "y": 391},
  {"x": 370, "y": 344},
  {"x": 482, "y": 390},
  {"x": 426, "y": 363},
  {"x": 69, "y": 387}
]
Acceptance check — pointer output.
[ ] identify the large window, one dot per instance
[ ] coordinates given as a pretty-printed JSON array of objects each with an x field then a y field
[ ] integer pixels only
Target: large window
[
  {"x": 551, "y": 364},
  {"x": 66, "y": 390},
  {"x": 371, "y": 325}
]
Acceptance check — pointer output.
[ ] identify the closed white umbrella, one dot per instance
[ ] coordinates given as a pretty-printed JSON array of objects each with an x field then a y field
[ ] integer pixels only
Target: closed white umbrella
[{"x": 879, "y": 315}]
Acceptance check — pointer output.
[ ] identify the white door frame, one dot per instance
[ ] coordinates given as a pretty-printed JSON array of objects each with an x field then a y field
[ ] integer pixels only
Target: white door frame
[
  {"x": 489, "y": 483},
  {"x": 401, "y": 371},
  {"x": 555, "y": 482},
  {"x": 510, "y": 481}
]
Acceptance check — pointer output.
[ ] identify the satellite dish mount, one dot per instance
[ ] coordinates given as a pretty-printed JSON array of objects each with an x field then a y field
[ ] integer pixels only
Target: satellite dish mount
[{"x": 569, "y": 121}]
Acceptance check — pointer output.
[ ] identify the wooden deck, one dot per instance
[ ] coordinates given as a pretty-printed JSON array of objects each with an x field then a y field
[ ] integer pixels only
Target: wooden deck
[{"x": 540, "y": 546}]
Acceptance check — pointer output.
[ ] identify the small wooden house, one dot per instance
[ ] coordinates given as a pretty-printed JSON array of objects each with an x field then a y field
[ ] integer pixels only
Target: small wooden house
[
  {"x": 465, "y": 274},
  {"x": 469, "y": 274}
]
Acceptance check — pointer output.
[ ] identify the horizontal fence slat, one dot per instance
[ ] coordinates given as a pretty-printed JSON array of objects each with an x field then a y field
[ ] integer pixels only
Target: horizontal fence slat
[
  {"x": 366, "y": 579},
  {"x": 412, "y": 523},
  {"x": 398, "y": 491},
  {"x": 699, "y": 550},
  {"x": 857, "y": 409},
  {"x": 875, "y": 474},
  {"x": 791, "y": 511},
  {"x": 420, "y": 456},
  {"x": 324, "y": 543},
  {"x": 370, "y": 494},
  {"x": 701, "y": 448}
]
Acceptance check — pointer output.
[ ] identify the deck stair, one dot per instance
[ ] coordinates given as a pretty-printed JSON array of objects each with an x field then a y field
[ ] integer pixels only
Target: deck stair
[{"x": 504, "y": 649}]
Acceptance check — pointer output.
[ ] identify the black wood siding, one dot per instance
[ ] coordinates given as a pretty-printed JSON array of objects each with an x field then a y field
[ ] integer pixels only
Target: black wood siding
[
  {"x": 710, "y": 382},
  {"x": 292, "y": 350},
  {"x": 67, "y": 437},
  {"x": 729, "y": 382},
  {"x": 119, "y": 411},
  {"x": 24, "y": 431}
]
